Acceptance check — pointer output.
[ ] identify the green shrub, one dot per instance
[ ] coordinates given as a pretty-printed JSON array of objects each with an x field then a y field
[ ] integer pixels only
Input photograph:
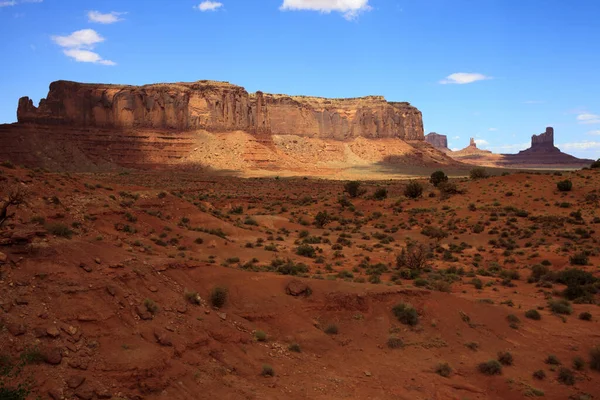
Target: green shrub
[
  {"x": 580, "y": 258},
  {"x": 595, "y": 358},
  {"x": 58, "y": 229},
  {"x": 353, "y": 189},
  {"x": 380, "y": 194},
  {"x": 151, "y": 306},
  {"x": 306, "y": 250},
  {"x": 295, "y": 347},
  {"x": 260, "y": 336},
  {"x": 491, "y": 367},
  {"x": 218, "y": 296},
  {"x": 561, "y": 306},
  {"x": 505, "y": 358},
  {"x": 322, "y": 218},
  {"x": 438, "y": 177},
  {"x": 394, "y": 342},
  {"x": 192, "y": 297},
  {"x": 406, "y": 314},
  {"x": 413, "y": 190},
  {"x": 585, "y": 316},
  {"x": 414, "y": 257},
  {"x": 443, "y": 369},
  {"x": 564, "y": 186},
  {"x": 478, "y": 173},
  {"x": 566, "y": 376},
  {"x": 331, "y": 329},
  {"x": 578, "y": 364},
  {"x": 552, "y": 360},
  {"x": 539, "y": 374},
  {"x": 533, "y": 314},
  {"x": 267, "y": 370},
  {"x": 595, "y": 164}
]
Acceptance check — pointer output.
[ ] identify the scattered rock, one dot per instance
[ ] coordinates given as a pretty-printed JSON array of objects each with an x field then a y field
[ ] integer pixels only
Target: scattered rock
[
  {"x": 84, "y": 393},
  {"x": 97, "y": 260},
  {"x": 116, "y": 266},
  {"x": 16, "y": 329},
  {"x": 20, "y": 301},
  {"x": 52, "y": 356},
  {"x": 85, "y": 267},
  {"x": 143, "y": 313},
  {"x": 103, "y": 393},
  {"x": 296, "y": 288},
  {"x": 39, "y": 332},
  {"x": 182, "y": 308},
  {"x": 110, "y": 289},
  {"x": 79, "y": 363},
  {"x": 163, "y": 339},
  {"x": 222, "y": 315},
  {"x": 71, "y": 330},
  {"x": 368, "y": 373},
  {"x": 55, "y": 394},
  {"x": 3, "y": 258},
  {"x": 52, "y": 332},
  {"x": 75, "y": 381},
  {"x": 153, "y": 289}
]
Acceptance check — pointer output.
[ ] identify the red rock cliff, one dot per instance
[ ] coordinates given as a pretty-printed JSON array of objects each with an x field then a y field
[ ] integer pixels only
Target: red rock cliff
[{"x": 220, "y": 107}]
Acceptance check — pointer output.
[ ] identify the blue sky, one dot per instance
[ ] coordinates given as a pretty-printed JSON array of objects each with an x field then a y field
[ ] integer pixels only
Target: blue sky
[{"x": 496, "y": 70}]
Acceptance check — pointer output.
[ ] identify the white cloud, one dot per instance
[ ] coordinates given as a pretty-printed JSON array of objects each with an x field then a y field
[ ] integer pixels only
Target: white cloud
[
  {"x": 108, "y": 18},
  {"x": 510, "y": 148},
  {"x": 84, "y": 38},
  {"x": 492, "y": 129},
  {"x": 587, "y": 118},
  {"x": 78, "y": 45},
  {"x": 209, "y": 5},
  {"x": 456, "y": 137},
  {"x": 80, "y": 55},
  {"x": 593, "y": 133},
  {"x": 481, "y": 142},
  {"x": 349, "y": 8},
  {"x": 461, "y": 78},
  {"x": 585, "y": 145},
  {"x": 10, "y": 3}
]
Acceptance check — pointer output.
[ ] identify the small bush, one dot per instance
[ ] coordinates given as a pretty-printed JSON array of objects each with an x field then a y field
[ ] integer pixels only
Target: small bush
[
  {"x": 394, "y": 342},
  {"x": 331, "y": 329},
  {"x": 539, "y": 374},
  {"x": 564, "y": 186},
  {"x": 406, "y": 314},
  {"x": 218, "y": 297},
  {"x": 380, "y": 194},
  {"x": 151, "y": 306},
  {"x": 491, "y": 367},
  {"x": 561, "y": 306},
  {"x": 595, "y": 358},
  {"x": 578, "y": 364},
  {"x": 566, "y": 376},
  {"x": 579, "y": 259},
  {"x": 505, "y": 358},
  {"x": 595, "y": 164},
  {"x": 295, "y": 347},
  {"x": 267, "y": 370},
  {"x": 58, "y": 229},
  {"x": 585, "y": 316},
  {"x": 478, "y": 173},
  {"x": 353, "y": 189},
  {"x": 414, "y": 257},
  {"x": 413, "y": 190},
  {"x": 552, "y": 360},
  {"x": 321, "y": 219},
  {"x": 192, "y": 297},
  {"x": 533, "y": 314},
  {"x": 306, "y": 250},
  {"x": 260, "y": 336},
  {"x": 443, "y": 369},
  {"x": 438, "y": 177}
]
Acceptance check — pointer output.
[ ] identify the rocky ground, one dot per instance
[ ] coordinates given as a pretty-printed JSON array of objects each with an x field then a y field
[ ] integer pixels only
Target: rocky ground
[{"x": 172, "y": 285}]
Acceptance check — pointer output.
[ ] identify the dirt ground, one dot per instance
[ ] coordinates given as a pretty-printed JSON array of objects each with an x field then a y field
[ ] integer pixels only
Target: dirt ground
[{"x": 109, "y": 287}]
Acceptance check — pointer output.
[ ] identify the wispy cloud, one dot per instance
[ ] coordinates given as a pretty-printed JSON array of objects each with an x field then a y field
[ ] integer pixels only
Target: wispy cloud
[
  {"x": 209, "y": 6},
  {"x": 11, "y": 3},
  {"x": 510, "y": 148},
  {"x": 492, "y": 129},
  {"x": 104, "y": 18},
  {"x": 587, "y": 118},
  {"x": 79, "y": 45},
  {"x": 461, "y": 78},
  {"x": 481, "y": 142},
  {"x": 585, "y": 145},
  {"x": 594, "y": 132},
  {"x": 350, "y": 9}
]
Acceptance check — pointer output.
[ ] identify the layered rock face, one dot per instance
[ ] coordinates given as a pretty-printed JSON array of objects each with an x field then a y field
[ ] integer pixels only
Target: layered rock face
[
  {"x": 220, "y": 107},
  {"x": 436, "y": 140},
  {"x": 544, "y": 143}
]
